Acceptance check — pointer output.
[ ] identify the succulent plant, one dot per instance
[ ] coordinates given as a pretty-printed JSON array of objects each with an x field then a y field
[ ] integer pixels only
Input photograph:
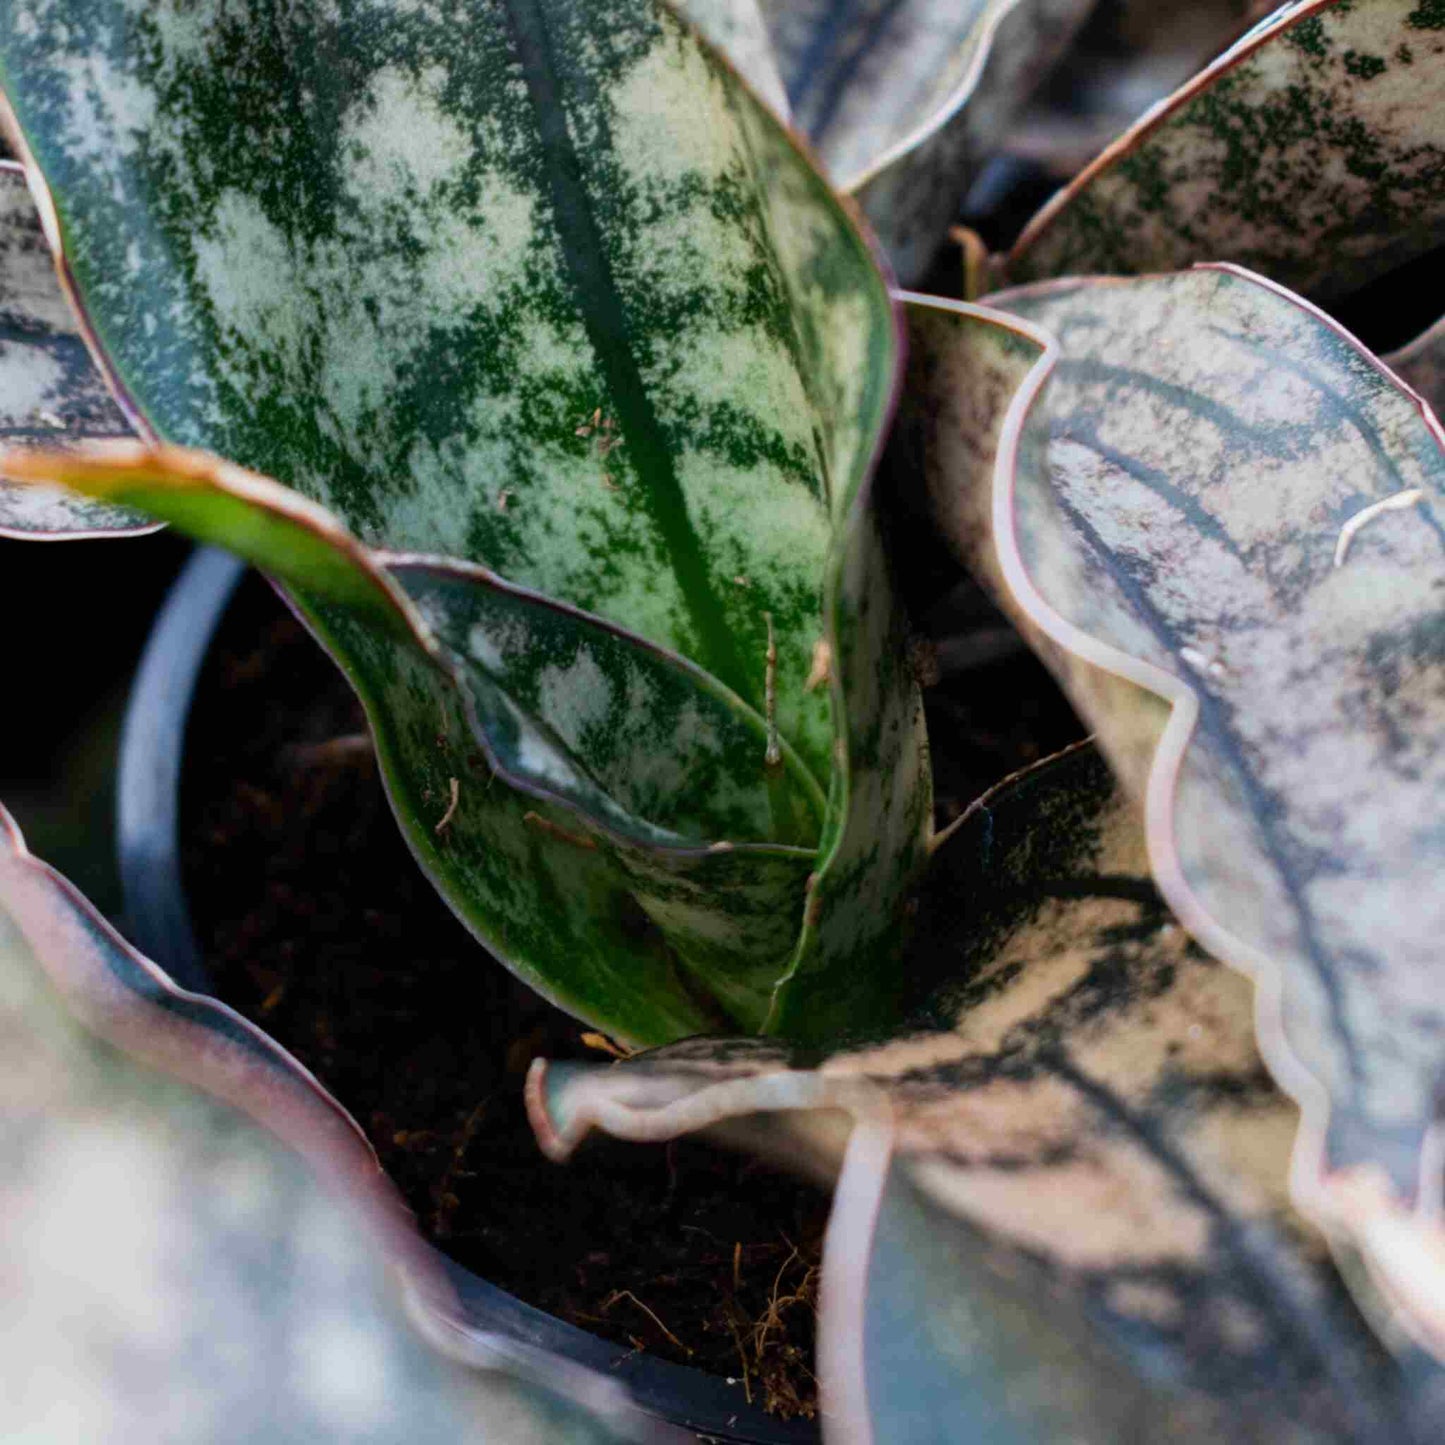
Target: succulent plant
[{"x": 547, "y": 373}]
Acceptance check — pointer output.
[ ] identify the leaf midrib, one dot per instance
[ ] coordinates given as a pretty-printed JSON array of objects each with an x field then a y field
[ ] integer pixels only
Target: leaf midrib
[{"x": 604, "y": 319}]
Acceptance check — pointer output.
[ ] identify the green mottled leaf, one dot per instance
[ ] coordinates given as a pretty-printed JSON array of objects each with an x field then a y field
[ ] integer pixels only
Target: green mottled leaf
[
  {"x": 1064, "y": 1210},
  {"x": 670, "y": 754},
  {"x": 49, "y": 387},
  {"x": 904, "y": 101},
  {"x": 1313, "y": 151},
  {"x": 1190, "y": 515},
  {"x": 171, "y": 1270},
  {"x": 544, "y": 725},
  {"x": 540, "y": 288},
  {"x": 532, "y": 284},
  {"x": 875, "y": 841}
]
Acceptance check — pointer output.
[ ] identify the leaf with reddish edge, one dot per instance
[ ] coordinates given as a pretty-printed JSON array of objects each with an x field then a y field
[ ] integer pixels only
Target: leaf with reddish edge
[
  {"x": 1217, "y": 522},
  {"x": 1131, "y": 54},
  {"x": 1062, "y": 1212},
  {"x": 235, "y": 1282},
  {"x": 1312, "y": 151},
  {"x": 50, "y": 390}
]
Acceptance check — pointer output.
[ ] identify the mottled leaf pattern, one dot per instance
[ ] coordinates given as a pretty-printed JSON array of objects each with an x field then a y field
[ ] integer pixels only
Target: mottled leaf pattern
[
  {"x": 174, "y": 1272},
  {"x": 737, "y": 28},
  {"x": 539, "y": 287},
  {"x": 1313, "y": 151},
  {"x": 463, "y": 289},
  {"x": 625, "y": 732},
  {"x": 49, "y": 387},
  {"x": 621, "y": 919},
  {"x": 1089, "y": 1194},
  {"x": 904, "y": 101},
  {"x": 1190, "y": 509}
]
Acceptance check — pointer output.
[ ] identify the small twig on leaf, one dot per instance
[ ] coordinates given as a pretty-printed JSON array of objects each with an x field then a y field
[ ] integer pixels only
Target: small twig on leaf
[
  {"x": 773, "y": 754},
  {"x": 578, "y": 840},
  {"x": 446, "y": 818},
  {"x": 1397, "y": 503},
  {"x": 822, "y": 666},
  {"x": 604, "y": 1045}
]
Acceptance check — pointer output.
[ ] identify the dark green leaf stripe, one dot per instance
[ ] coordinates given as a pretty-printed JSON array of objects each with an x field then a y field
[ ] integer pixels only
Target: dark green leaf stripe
[
  {"x": 605, "y": 322},
  {"x": 50, "y": 390},
  {"x": 1314, "y": 152}
]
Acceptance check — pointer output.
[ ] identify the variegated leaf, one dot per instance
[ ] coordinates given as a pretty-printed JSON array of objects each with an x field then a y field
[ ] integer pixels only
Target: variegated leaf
[
  {"x": 561, "y": 299},
  {"x": 1421, "y": 365},
  {"x": 1219, "y": 516},
  {"x": 172, "y": 1271},
  {"x": 582, "y": 799},
  {"x": 533, "y": 284},
  {"x": 904, "y": 101},
  {"x": 1084, "y": 1230},
  {"x": 1313, "y": 151},
  {"x": 49, "y": 387}
]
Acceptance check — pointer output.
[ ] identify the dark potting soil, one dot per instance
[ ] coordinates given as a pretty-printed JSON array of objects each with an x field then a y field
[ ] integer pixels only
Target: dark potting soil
[{"x": 317, "y": 924}]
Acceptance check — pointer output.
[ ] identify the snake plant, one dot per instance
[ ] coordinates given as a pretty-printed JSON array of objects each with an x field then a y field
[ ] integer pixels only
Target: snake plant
[{"x": 533, "y": 354}]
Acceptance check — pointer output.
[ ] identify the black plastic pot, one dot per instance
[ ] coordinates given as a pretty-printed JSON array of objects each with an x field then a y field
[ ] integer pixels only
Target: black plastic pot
[{"x": 158, "y": 921}]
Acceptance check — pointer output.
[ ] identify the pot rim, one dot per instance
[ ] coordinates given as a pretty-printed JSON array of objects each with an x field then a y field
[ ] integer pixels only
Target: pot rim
[{"x": 158, "y": 922}]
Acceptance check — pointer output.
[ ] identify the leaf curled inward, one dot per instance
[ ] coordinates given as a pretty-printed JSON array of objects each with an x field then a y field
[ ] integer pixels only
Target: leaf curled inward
[{"x": 1165, "y": 515}]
